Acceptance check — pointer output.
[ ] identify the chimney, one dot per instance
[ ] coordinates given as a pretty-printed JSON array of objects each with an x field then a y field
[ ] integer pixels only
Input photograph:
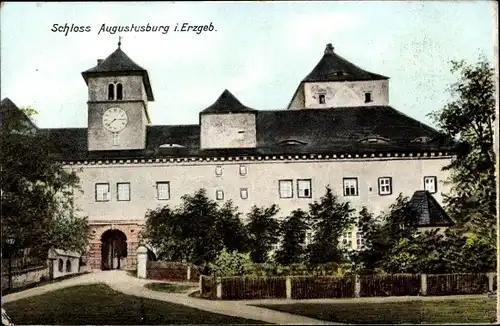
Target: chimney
[
  {"x": 329, "y": 48},
  {"x": 99, "y": 61}
]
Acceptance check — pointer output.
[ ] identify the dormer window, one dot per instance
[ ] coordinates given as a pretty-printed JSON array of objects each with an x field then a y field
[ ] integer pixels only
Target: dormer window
[
  {"x": 374, "y": 140},
  {"x": 292, "y": 142},
  {"x": 322, "y": 99},
  {"x": 170, "y": 146},
  {"x": 423, "y": 140},
  {"x": 368, "y": 97},
  {"x": 119, "y": 92},
  {"x": 111, "y": 92}
]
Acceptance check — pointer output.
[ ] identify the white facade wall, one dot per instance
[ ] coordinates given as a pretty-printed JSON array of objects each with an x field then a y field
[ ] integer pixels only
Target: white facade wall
[
  {"x": 341, "y": 94},
  {"x": 231, "y": 130},
  {"x": 261, "y": 181}
]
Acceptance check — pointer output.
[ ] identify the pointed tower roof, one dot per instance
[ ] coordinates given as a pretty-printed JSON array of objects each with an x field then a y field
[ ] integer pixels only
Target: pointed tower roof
[
  {"x": 428, "y": 210},
  {"x": 116, "y": 64},
  {"x": 227, "y": 103},
  {"x": 333, "y": 67},
  {"x": 8, "y": 110}
]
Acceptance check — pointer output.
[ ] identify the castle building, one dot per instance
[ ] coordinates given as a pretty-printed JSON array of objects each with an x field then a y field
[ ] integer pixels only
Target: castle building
[{"x": 338, "y": 130}]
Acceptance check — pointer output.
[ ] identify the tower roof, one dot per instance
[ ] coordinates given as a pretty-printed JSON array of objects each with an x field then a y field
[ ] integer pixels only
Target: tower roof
[
  {"x": 227, "y": 103},
  {"x": 333, "y": 67},
  {"x": 428, "y": 210},
  {"x": 116, "y": 64}
]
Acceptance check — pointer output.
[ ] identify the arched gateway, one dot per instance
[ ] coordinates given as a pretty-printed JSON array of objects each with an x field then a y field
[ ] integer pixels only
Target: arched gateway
[{"x": 113, "y": 249}]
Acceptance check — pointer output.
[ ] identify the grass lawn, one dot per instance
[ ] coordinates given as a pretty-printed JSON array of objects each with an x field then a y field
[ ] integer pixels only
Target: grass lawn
[
  {"x": 100, "y": 305},
  {"x": 476, "y": 310},
  {"x": 170, "y": 288}
]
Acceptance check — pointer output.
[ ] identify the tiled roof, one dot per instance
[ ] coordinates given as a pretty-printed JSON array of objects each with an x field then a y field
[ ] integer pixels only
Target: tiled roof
[
  {"x": 309, "y": 131},
  {"x": 120, "y": 63},
  {"x": 333, "y": 67},
  {"x": 227, "y": 103},
  {"x": 8, "y": 108},
  {"x": 428, "y": 210}
]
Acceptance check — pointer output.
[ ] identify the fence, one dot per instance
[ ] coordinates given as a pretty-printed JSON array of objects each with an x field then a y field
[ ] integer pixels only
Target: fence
[
  {"x": 310, "y": 287},
  {"x": 172, "y": 271}
]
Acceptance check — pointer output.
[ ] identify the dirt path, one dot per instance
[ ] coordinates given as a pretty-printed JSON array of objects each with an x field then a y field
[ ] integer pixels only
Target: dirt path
[{"x": 122, "y": 282}]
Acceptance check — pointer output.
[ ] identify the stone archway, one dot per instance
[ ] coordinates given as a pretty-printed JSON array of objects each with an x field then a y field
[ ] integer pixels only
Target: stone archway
[{"x": 113, "y": 249}]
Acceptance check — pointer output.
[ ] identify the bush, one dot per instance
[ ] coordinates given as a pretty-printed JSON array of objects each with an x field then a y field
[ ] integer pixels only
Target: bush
[{"x": 231, "y": 264}]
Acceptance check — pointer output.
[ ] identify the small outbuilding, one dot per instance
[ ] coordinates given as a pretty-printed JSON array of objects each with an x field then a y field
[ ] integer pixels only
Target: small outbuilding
[{"x": 63, "y": 262}]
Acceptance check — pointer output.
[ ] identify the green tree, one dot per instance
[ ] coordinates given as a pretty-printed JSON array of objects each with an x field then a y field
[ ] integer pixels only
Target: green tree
[
  {"x": 234, "y": 236},
  {"x": 420, "y": 253},
  {"x": 384, "y": 233},
  {"x": 263, "y": 231},
  {"x": 231, "y": 263},
  {"x": 196, "y": 231},
  {"x": 329, "y": 218},
  {"x": 468, "y": 119},
  {"x": 293, "y": 232},
  {"x": 37, "y": 201}
]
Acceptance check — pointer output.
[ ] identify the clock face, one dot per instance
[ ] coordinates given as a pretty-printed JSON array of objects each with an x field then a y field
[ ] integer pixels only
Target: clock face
[{"x": 114, "y": 119}]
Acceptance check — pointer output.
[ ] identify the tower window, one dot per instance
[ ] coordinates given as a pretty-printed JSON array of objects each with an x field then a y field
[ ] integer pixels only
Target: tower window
[
  {"x": 322, "y": 99},
  {"x": 368, "y": 97},
  {"x": 116, "y": 139},
  {"x": 119, "y": 92},
  {"x": 111, "y": 92}
]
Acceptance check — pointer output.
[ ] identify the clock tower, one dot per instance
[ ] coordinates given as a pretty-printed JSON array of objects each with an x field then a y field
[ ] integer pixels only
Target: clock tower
[{"x": 118, "y": 94}]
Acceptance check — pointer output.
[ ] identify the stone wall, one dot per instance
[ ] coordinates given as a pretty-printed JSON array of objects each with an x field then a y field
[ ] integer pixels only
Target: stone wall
[{"x": 26, "y": 277}]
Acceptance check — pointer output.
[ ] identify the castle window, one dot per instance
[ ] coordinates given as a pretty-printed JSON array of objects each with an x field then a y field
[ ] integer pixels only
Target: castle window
[
  {"x": 322, "y": 99},
  {"x": 368, "y": 97},
  {"x": 346, "y": 239},
  {"x": 116, "y": 139},
  {"x": 163, "y": 190},
  {"x": 384, "y": 186},
  {"x": 244, "y": 193},
  {"x": 102, "y": 192},
  {"x": 219, "y": 195},
  {"x": 309, "y": 237},
  {"x": 119, "y": 92},
  {"x": 286, "y": 188},
  {"x": 123, "y": 191},
  {"x": 350, "y": 186},
  {"x": 218, "y": 170},
  {"x": 304, "y": 188},
  {"x": 360, "y": 241},
  {"x": 243, "y": 170},
  {"x": 430, "y": 184},
  {"x": 111, "y": 92}
]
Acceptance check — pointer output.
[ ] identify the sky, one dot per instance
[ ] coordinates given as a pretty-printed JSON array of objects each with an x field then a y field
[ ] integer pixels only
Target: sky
[{"x": 260, "y": 51}]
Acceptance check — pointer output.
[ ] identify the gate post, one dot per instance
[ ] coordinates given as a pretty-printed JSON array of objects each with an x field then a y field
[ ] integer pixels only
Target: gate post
[
  {"x": 423, "y": 284},
  {"x": 357, "y": 286},
  {"x": 218, "y": 288},
  {"x": 288, "y": 287},
  {"x": 142, "y": 261},
  {"x": 491, "y": 278}
]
